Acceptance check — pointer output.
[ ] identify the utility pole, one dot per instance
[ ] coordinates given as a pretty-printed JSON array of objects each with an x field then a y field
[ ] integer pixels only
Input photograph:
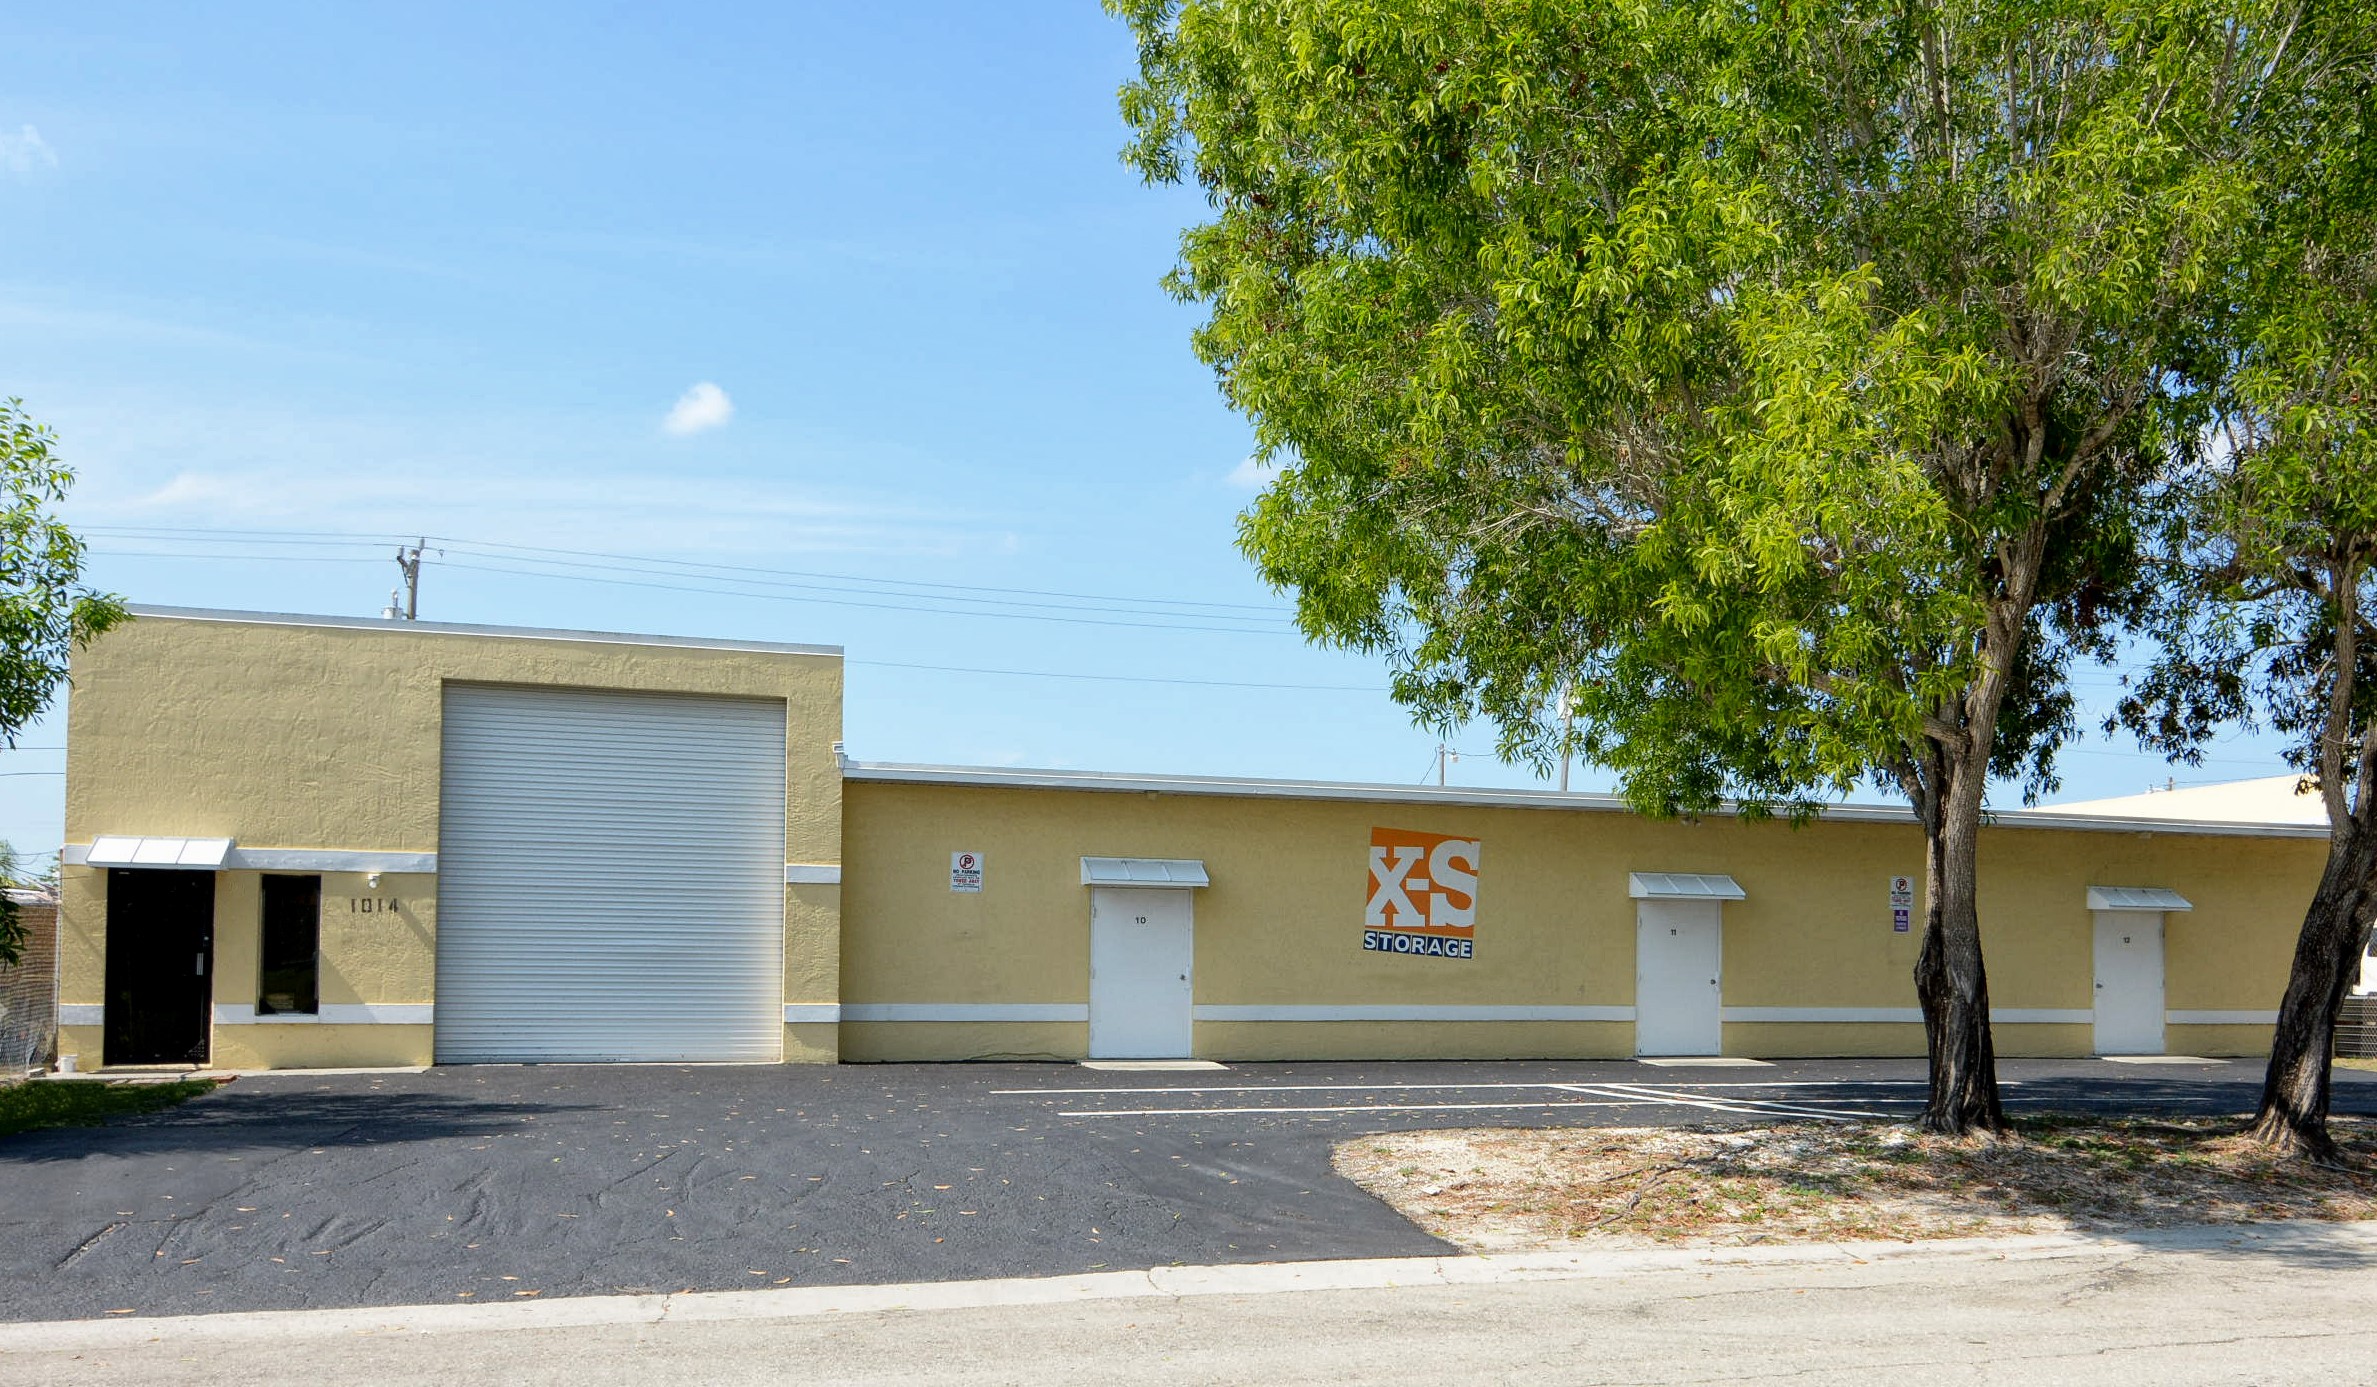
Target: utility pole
[
  {"x": 1443, "y": 754},
  {"x": 1567, "y": 720},
  {"x": 409, "y": 560}
]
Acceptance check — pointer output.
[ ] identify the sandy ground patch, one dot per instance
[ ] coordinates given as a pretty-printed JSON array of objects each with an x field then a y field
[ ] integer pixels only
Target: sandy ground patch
[{"x": 1506, "y": 1190}]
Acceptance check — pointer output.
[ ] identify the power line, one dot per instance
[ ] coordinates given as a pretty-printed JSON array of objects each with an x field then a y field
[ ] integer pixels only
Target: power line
[
  {"x": 877, "y": 606},
  {"x": 1119, "y": 678},
  {"x": 574, "y": 567},
  {"x": 1070, "y": 608},
  {"x": 726, "y": 580},
  {"x": 716, "y": 590},
  {"x": 1266, "y": 609},
  {"x": 2130, "y": 755},
  {"x": 323, "y": 539},
  {"x": 528, "y": 553},
  {"x": 114, "y": 552},
  {"x": 198, "y": 535}
]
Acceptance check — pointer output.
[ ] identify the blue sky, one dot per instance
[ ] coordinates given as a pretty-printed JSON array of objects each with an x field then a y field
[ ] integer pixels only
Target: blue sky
[{"x": 325, "y": 275}]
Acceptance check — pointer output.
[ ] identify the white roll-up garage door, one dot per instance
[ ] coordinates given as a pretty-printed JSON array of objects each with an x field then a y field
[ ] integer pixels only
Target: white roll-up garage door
[{"x": 610, "y": 877}]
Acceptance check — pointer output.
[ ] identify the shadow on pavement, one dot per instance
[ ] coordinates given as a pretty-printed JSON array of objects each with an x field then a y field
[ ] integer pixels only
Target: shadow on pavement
[
  {"x": 2304, "y": 1244},
  {"x": 228, "y": 1119}
]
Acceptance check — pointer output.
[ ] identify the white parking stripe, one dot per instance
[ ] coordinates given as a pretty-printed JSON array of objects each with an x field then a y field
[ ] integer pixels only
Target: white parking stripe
[
  {"x": 1750, "y": 1107},
  {"x": 1399, "y": 1087},
  {"x": 1355, "y": 1107}
]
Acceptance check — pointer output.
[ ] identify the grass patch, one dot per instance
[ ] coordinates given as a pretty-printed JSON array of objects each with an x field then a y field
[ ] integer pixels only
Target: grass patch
[
  {"x": 1499, "y": 1189},
  {"x": 89, "y": 1102},
  {"x": 2368, "y": 1066}
]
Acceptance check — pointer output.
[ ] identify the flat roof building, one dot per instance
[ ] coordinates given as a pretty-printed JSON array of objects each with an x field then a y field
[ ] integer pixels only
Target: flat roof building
[{"x": 310, "y": 841}]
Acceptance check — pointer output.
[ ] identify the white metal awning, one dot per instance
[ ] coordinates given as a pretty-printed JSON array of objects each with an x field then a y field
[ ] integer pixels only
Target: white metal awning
[
  {"x": 1683, "y": 886},
  {"x": 1143, "y": 871},
  {"x": 118, "y": 850},
  {"x": 2136, "y": 898}
]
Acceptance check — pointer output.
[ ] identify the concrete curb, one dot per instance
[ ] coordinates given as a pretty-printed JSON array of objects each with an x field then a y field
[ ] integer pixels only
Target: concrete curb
[{"x": 1263, "y": 1278}]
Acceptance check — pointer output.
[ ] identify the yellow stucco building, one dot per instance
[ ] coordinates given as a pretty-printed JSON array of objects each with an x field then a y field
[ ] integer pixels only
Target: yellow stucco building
[{"x": 314, "y": 841}]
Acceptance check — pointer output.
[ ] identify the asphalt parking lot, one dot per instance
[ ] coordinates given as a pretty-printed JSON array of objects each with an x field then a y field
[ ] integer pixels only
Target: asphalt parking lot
[{"x": 492, "y": 1183}]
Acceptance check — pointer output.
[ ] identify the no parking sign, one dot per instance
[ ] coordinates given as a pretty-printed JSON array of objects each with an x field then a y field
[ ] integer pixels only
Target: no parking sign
[{"x": 1902, "y": 904}]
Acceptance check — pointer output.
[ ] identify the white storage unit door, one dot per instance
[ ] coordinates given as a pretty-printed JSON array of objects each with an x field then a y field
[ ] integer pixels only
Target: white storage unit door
[
  {"x": 1679, "y": 977},
  {"x": 610, "y": 877},
  {"x": 2129, "y": 981},
  {"x": 1142, "y": 949}
]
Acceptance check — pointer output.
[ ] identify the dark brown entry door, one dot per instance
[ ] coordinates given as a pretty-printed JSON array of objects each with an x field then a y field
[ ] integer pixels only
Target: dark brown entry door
[{"x": 160, "y": 965}]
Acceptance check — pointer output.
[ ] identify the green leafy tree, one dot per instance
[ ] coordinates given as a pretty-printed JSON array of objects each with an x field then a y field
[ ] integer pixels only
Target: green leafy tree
[
  {"x": 13, "y": 937},
  {"x": 1784, "y": 380},
  {"x": 44, "y": 611},
  {"x": 2273, "y": 540}
]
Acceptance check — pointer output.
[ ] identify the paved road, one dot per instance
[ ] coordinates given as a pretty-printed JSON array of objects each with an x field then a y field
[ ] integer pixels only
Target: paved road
[
  {"x": 504, "y": 1182},
  {"x": 2290, "y": 1306}
]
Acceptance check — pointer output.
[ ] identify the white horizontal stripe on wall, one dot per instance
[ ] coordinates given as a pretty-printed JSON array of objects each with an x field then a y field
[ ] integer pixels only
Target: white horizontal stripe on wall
[
  {"x": 2221, "y": 1018},
  {"x": 331, "y": 860},
  {"x": 1913, "y": 1016},
  {"x": 812, "y": 874},
  {"x": 331, "y": 1014},
  {"x": 1410, "y": 1013},
  {"x": 378, "y": 1013},
  {"x": 82, "y": 1013},
  {"x": 1893, "y": 1014},
  {"x": 965, "y": 1011},
  {"x": 240, "y": 1014},
  {"x": 297, "y": 860},
  {"x": 797, "y": 1012}
]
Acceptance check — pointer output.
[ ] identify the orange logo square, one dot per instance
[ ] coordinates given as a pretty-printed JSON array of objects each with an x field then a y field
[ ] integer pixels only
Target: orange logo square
[{"x": 1421, "y": 884}]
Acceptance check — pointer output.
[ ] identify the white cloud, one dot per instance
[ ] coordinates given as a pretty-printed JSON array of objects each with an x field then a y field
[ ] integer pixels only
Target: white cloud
[
  {"x": 25, "y": 151},
  {"x": 705, "y": 406},
  {"x": 1253, "y": 474}
]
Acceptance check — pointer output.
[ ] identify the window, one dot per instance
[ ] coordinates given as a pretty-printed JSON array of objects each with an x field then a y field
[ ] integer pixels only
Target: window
[{"x": 291, "y": 976}]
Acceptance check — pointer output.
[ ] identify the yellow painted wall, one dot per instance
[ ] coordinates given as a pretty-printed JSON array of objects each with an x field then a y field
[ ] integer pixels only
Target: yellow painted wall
[
  {"x": 964, "y": 1040},
  {"x": 295, "y": 736},
  {"x": 811, "y": 1042},
  {"x": 1452, "y": 1040},
  {"x": 321, "y": 1047},
  {"x": 368, "y": 954},
  {"x": 1281, "y": 923},
  {"x": 82, "y": 1042},
  {"x": 2217, "y": 1041},
  {"x": 82, "y": 955}
]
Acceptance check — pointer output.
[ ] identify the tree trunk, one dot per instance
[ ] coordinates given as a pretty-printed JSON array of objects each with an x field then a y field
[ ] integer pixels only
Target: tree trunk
[
  {"x": 1949, "y": 977},
  {"x": 2327, "y": 955}
]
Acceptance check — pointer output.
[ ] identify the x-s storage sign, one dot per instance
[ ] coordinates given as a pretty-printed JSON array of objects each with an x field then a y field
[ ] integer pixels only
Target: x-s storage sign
[{"x": 1423, "y": 894}]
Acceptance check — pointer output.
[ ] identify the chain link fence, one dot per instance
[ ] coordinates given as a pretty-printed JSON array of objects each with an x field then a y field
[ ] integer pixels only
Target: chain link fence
[
  {"x": 2356, "y": 1029},
  {"x": 29, "y": 990}
]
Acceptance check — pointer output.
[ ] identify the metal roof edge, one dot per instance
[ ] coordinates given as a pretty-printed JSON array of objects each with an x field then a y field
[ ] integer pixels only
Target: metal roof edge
[
  {"x": 2109, "y": 823},
  {"x": 1122, "y": 782},
  {"x": 455, "y": 628}
]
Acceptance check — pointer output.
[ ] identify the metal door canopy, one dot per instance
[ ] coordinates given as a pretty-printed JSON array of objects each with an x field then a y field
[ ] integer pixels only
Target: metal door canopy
[
  {"x": 2136, "y": 898},
  {"x": 1157, "y": 872},
  {"x": 1683, "y": 886},
  {"x": 189, "y": 854}
]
